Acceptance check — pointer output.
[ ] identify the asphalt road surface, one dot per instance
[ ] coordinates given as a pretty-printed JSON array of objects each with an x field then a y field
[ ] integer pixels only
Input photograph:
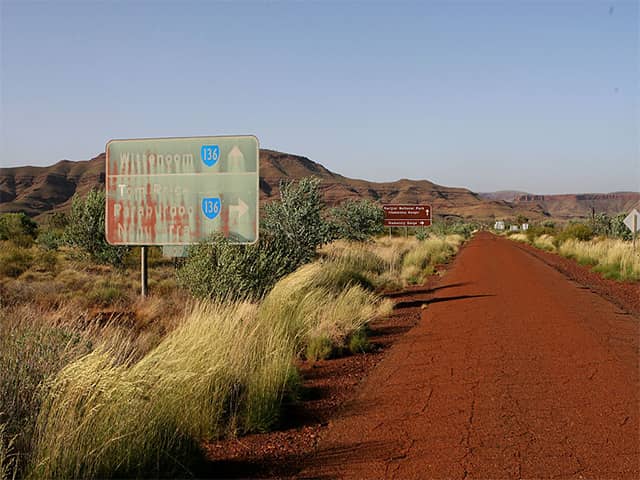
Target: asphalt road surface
[{"x": 513, "y": 372}]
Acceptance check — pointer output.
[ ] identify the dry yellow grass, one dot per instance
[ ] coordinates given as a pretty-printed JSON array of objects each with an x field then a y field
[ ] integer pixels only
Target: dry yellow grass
[
  {"x": 220, "y": 371},
  {"x": 614, "y": 258},
  {"x": 321, "y": 300},
  {"x": 545, "y": 242}
]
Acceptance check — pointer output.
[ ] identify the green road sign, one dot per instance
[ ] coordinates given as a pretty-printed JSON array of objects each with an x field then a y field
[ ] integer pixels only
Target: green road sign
[{"x": 179, "y": 191}]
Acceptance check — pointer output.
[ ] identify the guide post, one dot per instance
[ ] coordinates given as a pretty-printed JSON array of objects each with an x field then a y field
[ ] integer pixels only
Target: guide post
[{"x": 143, "y": 271}]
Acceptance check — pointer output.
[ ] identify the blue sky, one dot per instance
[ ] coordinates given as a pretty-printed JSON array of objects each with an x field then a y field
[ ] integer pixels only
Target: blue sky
[{"x": 536, "y": 96}]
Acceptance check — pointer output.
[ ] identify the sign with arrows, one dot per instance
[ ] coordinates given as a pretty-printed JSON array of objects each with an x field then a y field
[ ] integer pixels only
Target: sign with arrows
[
  {"x": 397, "y": 215},
  {"x": 179, "y": 191}
]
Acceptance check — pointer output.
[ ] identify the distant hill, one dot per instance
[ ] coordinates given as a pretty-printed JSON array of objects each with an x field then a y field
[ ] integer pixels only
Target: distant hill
[
  {"x": 502, "y": 195},
  {"x": 38, "y": 190},
  {"x": 579, "y": 205}
]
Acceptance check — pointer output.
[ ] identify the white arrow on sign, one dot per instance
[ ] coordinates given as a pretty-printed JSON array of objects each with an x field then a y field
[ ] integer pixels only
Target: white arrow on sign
[
  {"x": 240, "y": 209},
  {"x": 628, "y": 221}
]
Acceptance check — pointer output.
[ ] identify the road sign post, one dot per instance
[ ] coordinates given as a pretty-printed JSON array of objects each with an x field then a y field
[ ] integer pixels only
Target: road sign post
[
  {"x": 143, "y": 271},
  {"x": 181, "y": 191}
]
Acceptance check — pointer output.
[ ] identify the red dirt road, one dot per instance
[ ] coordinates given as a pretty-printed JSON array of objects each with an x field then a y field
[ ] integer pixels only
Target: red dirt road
[{"x": 513, "y": 372}]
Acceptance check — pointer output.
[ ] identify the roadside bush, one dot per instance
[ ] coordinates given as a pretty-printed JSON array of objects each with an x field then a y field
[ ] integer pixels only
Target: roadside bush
[
  {"x": 18, "y": 228},
  {"x": 443, "y": 228},
  {"x": 292, "y": 230},
  {"x": 295, "y": 220},
  {"x": 356, "y": 220},
  {"x": 618, "y": 229},
  {"x": 50, "y": 239},
  {"x": 85, "y": 230},
  {"x": 575, "y": 231},
  {"x": 538, "y": 230}
]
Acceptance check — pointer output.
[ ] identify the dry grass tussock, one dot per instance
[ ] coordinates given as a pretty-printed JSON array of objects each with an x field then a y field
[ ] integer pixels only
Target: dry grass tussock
[
  {"x": 519, "y": 237},
  {"x": 221, "y": 370},
  {"x": 545, "y": 242},
  {"x": 614, "y": 258},
  {"x": 391, "y": 263},
  {"x": 323, "y": 300},
  {"x": 135, "y": 392}
]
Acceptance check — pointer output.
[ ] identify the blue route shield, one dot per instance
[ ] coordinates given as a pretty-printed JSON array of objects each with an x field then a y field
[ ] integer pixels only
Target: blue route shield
[
  {"x": 210, "y": 154},
  {"x": 211, "y": 207}
]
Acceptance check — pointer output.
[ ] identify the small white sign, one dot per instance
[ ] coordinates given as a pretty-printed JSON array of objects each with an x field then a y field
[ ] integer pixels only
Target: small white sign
[
  {"x": 525, "y": 226},
  {"x": 628, "y": 221},
  {"x": 499, "y": 225}
]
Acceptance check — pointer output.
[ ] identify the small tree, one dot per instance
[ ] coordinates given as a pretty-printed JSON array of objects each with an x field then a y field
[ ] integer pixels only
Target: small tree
[
  {"x": 85, "y": 229},
  {"x": 618, "y": 229},
  {"x": 356, "y": 220},
  {"x": 296, "y": 218}
]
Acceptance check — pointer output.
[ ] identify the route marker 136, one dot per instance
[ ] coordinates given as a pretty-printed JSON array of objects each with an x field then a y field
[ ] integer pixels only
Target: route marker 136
[{"x": 210, "y": 154}]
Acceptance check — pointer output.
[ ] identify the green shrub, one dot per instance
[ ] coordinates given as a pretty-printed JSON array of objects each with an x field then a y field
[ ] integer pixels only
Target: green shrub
[
  {"x": 295, "y": 220},
  {"x": 50, "y": 239},
  {"x": 575, "y": 231},
  {"x": 218, "y": 269},
  {"x": 356, "y": 220},
  {"x": 292, "y": 231},
  {"x": 14, "y": 260},
  {"x": 443, "y": 228},
  {"x": 618, "y": 229},
  {"x": 535, "y": 231},
  {"x": 18, "y": 228},
  {"x": 85, "y": 229}
]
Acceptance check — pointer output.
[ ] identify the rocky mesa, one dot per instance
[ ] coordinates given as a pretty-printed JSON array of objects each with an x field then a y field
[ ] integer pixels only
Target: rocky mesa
[{"x": 38, "y": 190}]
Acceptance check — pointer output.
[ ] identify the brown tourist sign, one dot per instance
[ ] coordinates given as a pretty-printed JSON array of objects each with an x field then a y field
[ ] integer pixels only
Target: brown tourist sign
[{"x": 399, "y": 215}]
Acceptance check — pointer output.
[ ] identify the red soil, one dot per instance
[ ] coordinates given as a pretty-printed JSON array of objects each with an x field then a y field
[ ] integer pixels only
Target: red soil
[{"x": 513, "y": 371}]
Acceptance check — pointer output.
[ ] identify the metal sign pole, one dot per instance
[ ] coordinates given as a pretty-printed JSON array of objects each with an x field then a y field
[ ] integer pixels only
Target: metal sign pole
[
  {"x": 143, "y": 270},
  {"x": 635, "y": 229}
]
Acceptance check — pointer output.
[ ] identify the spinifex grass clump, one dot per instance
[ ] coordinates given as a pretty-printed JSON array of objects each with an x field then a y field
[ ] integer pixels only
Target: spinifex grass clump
[
  {"x": 544, "y": 242},
  {"x": 321, "y": 303},
  {"x": 220, "y": 372},
  {"x": 614, "y": 258},
  {"x": 420, "y": 261}
]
